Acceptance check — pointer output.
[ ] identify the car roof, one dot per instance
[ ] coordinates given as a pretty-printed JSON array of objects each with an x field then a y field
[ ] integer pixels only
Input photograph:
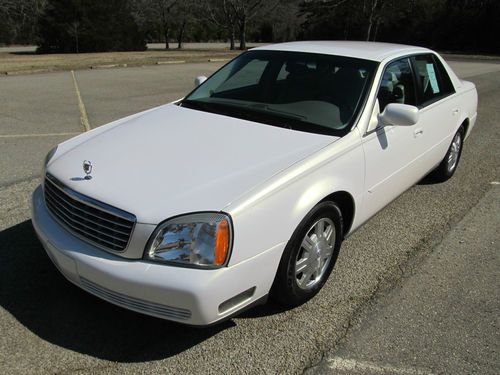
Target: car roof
[{"x": 363, "y": 50}]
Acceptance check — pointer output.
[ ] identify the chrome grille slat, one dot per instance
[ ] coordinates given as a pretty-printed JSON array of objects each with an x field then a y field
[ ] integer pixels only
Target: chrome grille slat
[
  {"x": 70, "y": 221},
  {"x": 83, "y": 233},
  {"x": 87, "y": 218},
  {"x": 135, "y": 303},
  {"x": 65, "y": 197}
]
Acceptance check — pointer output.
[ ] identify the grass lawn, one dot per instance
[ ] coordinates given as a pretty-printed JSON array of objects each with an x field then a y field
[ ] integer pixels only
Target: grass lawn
[{"x": 21, "y": 63}]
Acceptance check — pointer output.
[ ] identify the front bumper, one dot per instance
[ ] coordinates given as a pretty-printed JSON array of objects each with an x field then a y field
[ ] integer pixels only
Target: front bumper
[{"x": 186, "y": 295}]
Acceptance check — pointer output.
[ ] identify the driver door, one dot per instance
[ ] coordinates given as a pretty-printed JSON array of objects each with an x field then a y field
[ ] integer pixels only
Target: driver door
[{"x": 392, "y": 153}]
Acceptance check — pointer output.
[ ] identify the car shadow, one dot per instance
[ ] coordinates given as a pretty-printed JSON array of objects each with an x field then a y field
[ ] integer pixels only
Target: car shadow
[{"x": 40, "y": 298}]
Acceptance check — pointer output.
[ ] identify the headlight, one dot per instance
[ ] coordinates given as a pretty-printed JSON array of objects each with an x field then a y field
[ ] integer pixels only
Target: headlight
[
  {"x": 49, "y": 156},
  {"x": 199, "y": 240}
]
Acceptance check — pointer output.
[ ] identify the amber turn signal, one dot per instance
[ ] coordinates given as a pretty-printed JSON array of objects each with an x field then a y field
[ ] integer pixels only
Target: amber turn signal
[{"x": 221, "y": 242}]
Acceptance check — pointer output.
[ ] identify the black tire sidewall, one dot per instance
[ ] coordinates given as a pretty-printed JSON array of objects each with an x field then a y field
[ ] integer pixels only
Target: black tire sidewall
[{"x": 285, "y": 289}]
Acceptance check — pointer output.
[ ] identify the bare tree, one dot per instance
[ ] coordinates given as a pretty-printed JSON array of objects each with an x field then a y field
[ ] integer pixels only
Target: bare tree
[
  {"x": 157, "y": 15},
  {"x": 74, "y": 31},
  {"x": 374, "y": 11},
  {"x": 246, "y": 10},
  {"x": 221, "y": 14},
  {"x": 234, "y": 15},
  {"x": 185, "y": 13},
  {"x": 285, "y": 21},
  {"x": 165, "y": 9}
]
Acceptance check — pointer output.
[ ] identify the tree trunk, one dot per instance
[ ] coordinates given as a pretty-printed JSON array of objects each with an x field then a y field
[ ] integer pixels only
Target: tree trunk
[
  {"x": 165, "y": 34},
  {"x": 243, "y": 32},
  {"x": 346, "y": 30},
  {"x": 231, "y": 39},
  {"x": 373, "y": 6},
  {"x": 375, "y": 32},
  {"x": 180, "y": 35},
  {"x": 369, "y": 30},
  {"x": 77, "y": 47}
]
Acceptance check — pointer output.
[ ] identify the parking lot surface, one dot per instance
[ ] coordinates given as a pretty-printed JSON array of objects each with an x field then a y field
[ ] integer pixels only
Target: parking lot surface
[
  {"x": 443, "y": 318},
  {"x": 50, "y": 326}
]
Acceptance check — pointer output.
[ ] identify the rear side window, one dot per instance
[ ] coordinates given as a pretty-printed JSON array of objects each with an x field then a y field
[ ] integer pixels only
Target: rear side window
[
  {"x": 433, "y": 80},
  {"x": 397, "y": 85}
]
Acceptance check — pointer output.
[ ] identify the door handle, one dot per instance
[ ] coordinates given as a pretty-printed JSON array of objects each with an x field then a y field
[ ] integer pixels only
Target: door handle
[
  {"x": 455, "y": 112},
  {"x": 418, "y": 132}
]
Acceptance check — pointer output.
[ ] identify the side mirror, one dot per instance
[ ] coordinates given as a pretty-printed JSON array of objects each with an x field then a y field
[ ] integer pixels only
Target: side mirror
[
  {"x": 399, "y": 115},
  {"x": 199, "y": 80}
]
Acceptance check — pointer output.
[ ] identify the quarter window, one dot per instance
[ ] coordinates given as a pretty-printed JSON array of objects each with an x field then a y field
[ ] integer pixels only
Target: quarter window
[{"x": 397, "y": 84}]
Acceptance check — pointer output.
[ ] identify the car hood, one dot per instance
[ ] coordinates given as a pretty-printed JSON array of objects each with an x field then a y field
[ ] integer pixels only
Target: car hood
[{"x": 173, "y": 160}]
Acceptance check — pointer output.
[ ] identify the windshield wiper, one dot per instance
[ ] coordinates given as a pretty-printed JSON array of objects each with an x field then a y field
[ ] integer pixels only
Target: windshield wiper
[{"x": 217, "y": 108}]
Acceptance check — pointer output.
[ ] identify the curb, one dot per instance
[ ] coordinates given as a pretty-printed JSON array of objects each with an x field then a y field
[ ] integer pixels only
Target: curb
[
  {"x": 166, "y": 62},
  {"x": 108, "y": 66},
  {"x": 218, "y": 60}
]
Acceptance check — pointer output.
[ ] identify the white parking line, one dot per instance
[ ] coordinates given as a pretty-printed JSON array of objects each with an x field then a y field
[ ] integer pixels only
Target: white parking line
[
  {"x": 349, "y": 365},
  {"x": 83, "y": 112},
  {"x": 38, "y": 135}
]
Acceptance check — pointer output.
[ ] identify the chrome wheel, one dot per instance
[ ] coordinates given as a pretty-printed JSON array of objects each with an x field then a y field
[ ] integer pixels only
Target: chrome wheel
[
  {"x": 454, "y": 152},
  {"x": 315, "y": 253}
]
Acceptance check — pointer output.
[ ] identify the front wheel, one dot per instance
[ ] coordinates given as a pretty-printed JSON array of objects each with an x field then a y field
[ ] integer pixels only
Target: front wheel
[
  {"x": 449, "y": 164},
  {"x": 309, "y": 256}
]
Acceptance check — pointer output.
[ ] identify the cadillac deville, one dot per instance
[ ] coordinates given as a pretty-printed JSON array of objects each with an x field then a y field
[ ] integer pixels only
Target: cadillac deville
[{"x": 245, "y": 189}]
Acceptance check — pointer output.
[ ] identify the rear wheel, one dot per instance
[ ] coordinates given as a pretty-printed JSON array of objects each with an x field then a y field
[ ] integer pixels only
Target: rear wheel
[
  {"x": 309, "y": 256},
  {"x": 449, "y": 164}
]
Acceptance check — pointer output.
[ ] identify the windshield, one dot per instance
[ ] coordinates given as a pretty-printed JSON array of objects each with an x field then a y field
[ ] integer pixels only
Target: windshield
[{"x": 301, "y": 91}]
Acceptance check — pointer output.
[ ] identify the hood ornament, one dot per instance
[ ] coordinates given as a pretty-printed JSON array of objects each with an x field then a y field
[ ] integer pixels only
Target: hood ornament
[{"x": 87, "y": 168}]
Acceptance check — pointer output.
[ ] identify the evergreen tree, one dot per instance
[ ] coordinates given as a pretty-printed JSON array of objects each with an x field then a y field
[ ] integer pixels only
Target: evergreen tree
[{"x": 88, "y": 26}]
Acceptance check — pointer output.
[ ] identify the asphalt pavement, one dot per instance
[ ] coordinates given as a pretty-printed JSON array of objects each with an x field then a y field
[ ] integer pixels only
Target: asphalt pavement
[
  {"x": 50, "y": 326},
  {"x": 442, "y": 318}
]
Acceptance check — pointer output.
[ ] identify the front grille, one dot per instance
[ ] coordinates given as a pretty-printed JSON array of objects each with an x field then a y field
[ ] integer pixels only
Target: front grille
[
  {"x": 87, "y": 218},
  {"x": 136, "y": 304}
]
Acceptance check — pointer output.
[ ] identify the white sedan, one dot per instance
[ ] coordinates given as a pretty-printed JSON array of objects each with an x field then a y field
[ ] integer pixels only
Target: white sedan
[{"x": 198, "y": 209}]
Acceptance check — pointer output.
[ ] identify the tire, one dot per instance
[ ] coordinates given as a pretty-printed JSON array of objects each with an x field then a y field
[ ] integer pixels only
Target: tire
[
  {"x": 316, "y": 255},
  {"x": 449, "y": 164}
]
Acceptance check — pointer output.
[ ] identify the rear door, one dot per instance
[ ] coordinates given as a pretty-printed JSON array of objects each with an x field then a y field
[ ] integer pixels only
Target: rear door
[{"x": 438, "y": 110}]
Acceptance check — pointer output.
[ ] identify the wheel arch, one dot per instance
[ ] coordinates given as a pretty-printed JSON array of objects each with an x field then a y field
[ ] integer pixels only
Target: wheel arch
[
  {"x": 465, "y": 123},
  {"x": 347, "y": 207}
]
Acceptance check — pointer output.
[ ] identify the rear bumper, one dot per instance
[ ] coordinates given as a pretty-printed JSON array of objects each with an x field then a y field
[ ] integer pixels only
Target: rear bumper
[{"x": 185, "y": 295}]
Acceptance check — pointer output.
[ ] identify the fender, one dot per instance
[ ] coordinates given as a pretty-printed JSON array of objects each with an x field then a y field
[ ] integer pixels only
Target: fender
[{"x": 301, "y": 186}]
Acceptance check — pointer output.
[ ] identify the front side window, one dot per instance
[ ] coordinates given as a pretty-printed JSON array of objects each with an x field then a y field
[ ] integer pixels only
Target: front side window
[
  {"x": 434, "y": 82},
  {"x": 397, "y": 85},
  {"x": 301, "y": 91}
]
